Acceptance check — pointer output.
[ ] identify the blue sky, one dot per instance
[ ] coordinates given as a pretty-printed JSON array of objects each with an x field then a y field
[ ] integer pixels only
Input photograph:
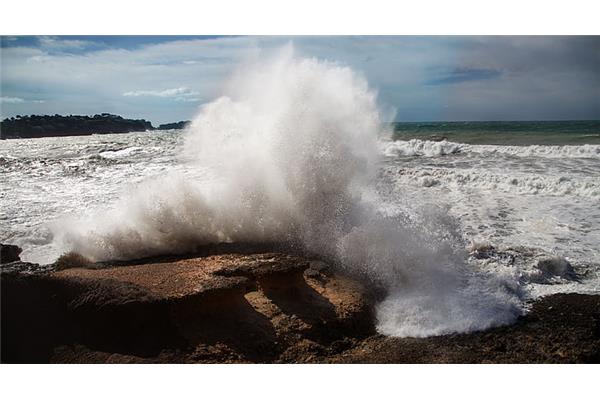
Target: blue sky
[{"x": 166, "y": 78}]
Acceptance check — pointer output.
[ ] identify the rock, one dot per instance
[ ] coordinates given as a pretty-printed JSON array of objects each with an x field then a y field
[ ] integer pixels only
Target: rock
[
  {"x": 9, "y": 253},
  {"x": 482, "y": 250},
  {"x": 24, "y": 268},
  {"x": 556, "y": 266},
  {"x": 166, "y": 280},
  {"x": 560, "y": 328},
  {"x": 269, "y": 270},
  {"x": 217, "y": 308}
]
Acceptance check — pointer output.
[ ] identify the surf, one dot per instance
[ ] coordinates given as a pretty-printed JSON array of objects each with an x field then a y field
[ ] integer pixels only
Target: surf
[{"x": 289, "y": 153}]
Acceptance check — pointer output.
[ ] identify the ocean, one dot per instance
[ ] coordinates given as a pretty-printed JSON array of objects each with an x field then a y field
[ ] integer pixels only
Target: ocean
[
  {"x": 530, "y": 187},
  {"x": 461, "y": 223},
  {"x": 509, "y": 133}
]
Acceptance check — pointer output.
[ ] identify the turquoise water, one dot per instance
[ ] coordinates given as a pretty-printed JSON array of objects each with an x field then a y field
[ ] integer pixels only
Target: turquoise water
[{"x": 516, "y": 133}]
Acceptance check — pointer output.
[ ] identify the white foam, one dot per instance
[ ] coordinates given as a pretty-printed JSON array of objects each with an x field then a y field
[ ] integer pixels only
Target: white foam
[
  {"x": 566, "y": 151},
  {"x": 502, "y": 181},
  {"x": 123, "y": 153}
]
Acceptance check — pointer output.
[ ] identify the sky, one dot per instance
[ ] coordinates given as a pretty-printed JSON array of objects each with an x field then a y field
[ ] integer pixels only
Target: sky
[{"x": 429, "y": 78}]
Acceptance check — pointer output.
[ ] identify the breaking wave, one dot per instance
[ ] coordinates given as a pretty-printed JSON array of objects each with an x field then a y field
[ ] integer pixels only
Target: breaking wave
[
  {"x": 427, "y": 148},
  {"x": 521, "y": 183},
  {"x": 289, "y": 154},
  {"x": 417, "y": 147}
]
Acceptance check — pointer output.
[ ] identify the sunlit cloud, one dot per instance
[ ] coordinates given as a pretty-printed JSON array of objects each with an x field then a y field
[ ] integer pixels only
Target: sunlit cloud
[{"x": 175, "y": 92}]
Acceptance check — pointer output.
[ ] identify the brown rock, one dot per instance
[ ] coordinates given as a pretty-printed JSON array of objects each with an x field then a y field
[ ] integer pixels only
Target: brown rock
[
  {"x": 262, "y": 307},
  {"x": 218, "y": 308}
]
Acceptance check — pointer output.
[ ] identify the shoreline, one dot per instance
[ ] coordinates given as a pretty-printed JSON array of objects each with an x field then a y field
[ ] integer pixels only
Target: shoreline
[{"x": 239, "y": 304}]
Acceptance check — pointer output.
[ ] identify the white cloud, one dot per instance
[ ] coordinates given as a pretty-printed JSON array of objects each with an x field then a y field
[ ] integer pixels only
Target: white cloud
[
  {"x": 11, "y": 100},
  {"x": 18, "y": 100},
  {"x": 96, "y": 81},
  {"x": 189, "y": 99},
  {"x": 175, "y": 92},
  {"x": 50, "y": 42}
]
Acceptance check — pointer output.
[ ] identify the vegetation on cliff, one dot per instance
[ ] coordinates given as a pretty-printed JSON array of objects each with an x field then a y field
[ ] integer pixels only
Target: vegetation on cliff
[
  {"x": 174, "y": 125},
  {"x": 34, "y": 126}
]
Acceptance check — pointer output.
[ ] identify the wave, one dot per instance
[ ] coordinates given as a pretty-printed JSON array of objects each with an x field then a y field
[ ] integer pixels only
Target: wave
[
  {"x": 416, "y": 147},
  {"x": 566, "y": 151},
  {"x": 426, "y": 148},
  {"x": 290, "y": 154},
  {"x": 521, "y": 183}
]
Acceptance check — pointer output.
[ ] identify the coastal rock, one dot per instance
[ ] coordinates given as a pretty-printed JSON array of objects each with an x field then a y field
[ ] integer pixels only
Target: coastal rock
[
  {"x": 253, "y": 307},
  {"x": 23, "y": 267},
  {"x": 217, "y": 308},
  {"x": 556, "y": 266},
  {"x": 562, "y": 328},
  {"x": 9, "y": 253}
]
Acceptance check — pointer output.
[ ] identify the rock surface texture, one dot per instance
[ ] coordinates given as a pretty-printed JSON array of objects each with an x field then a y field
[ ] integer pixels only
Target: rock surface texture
[
  {"x": 244, "y": 307},
  {"x": 265, "y": 307}
]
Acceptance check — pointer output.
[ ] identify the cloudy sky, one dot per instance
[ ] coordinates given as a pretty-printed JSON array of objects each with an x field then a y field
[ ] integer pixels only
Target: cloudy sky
[{"x": 165, "y": 79}]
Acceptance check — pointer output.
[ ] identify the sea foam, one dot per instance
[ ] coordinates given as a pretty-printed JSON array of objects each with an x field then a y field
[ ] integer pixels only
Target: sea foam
[{"x": 289, "y": 153}]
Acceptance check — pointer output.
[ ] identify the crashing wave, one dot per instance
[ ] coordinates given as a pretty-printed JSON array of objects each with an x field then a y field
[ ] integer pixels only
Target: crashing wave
[
  {"x": 426, "y": 148},
  {"x": 416, "y": 147},
  {"x": 289, "y": 153}
]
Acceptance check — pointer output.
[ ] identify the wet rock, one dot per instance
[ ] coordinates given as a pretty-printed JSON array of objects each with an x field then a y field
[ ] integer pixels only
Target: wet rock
[
  {"x": 482, "y": 250},
  {"x": 9, "y": 253},
  {"x": 24, "y": 268},
  {"x": 559, "y": 329},
  {"x": 214, "y": 309},
  {"x": 269, "y": 270},
  {"x": 556, "y": 266}
]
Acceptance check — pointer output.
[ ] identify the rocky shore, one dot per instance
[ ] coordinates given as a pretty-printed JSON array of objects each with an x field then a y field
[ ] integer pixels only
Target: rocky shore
[{"x": 238, "y": 305}]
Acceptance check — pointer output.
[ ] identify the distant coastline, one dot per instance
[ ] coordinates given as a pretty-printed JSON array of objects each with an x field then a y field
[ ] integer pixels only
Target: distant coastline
[{"x": 37, "y": 126}]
